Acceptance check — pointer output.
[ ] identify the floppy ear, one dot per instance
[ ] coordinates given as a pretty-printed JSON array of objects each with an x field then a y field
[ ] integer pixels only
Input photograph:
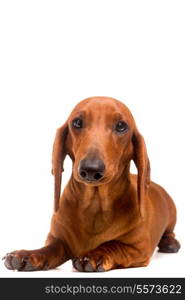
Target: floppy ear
[
  {"x": 142, "y": 163},
  {"x": 58, "y": 156}
]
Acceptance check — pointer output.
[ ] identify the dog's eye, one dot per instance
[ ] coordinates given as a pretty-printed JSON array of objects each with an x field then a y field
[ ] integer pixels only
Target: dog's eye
[
  {"x": 121, "y": 126},
  {"x": 77, "y": 123}
]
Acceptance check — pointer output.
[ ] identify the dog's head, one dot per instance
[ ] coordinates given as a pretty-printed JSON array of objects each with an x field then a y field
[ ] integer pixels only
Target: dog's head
[{"x": 101, "y": 138}]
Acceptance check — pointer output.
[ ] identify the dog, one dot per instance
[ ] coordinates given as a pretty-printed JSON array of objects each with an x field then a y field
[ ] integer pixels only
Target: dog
[{"x": 106, "y": 217}]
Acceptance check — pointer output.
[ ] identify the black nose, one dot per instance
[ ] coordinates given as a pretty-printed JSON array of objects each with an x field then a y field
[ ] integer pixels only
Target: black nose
[{"x": 91, "y": 169}]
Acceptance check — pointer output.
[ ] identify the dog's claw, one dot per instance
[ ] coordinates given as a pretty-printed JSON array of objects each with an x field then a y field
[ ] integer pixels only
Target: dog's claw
[
  {"x": 88, "y": 267},
  {"x": 100, "y": 268},
  {"x": 77, "y": 264}
]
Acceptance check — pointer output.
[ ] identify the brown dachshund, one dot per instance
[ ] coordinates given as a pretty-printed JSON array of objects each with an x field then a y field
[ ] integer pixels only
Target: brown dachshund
[{"x": 106, "y": 218}]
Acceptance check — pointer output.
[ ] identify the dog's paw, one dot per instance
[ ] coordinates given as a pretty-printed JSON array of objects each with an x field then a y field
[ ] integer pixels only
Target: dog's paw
[
  {"x": 93, "y": 262},
  {"x": 24, "y": 260},
  {"x": 168, "y": 244}
]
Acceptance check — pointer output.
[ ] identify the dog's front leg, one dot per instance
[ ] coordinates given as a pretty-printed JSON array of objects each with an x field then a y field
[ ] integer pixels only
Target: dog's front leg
[
  {"x": 48, "y": 257},
  {"x": 111, "y": 255}
]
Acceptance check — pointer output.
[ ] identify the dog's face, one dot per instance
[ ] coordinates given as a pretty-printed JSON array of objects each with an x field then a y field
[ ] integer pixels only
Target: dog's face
[{"x": 100, "y": 140}]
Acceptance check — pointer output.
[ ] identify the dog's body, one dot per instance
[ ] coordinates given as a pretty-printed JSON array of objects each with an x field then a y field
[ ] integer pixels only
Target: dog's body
[{"x": 106, "y": 218}]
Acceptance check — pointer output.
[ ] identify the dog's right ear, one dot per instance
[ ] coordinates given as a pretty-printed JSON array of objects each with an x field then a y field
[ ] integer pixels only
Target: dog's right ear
[{"x": 58, "y": 156}]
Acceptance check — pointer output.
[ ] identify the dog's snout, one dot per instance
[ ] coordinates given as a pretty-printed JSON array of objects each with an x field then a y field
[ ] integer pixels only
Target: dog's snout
[{"x": 91, "y": 169}]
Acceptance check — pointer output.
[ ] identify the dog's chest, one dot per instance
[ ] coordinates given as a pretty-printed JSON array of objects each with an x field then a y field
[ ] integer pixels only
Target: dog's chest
[
  {"x": 86, "y": 225},
  {"x": 95, "y": 216},
  {"x": 94, "y": 223}
]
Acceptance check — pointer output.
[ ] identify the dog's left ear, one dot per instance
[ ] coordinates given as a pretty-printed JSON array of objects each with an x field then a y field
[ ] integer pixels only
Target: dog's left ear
[
  {"x": 142, "y": 163},
  {"x": 58, "y": 156}
]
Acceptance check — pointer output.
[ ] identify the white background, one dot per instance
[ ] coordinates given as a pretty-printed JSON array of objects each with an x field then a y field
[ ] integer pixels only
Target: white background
[{"x": 54, "y": 54}]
